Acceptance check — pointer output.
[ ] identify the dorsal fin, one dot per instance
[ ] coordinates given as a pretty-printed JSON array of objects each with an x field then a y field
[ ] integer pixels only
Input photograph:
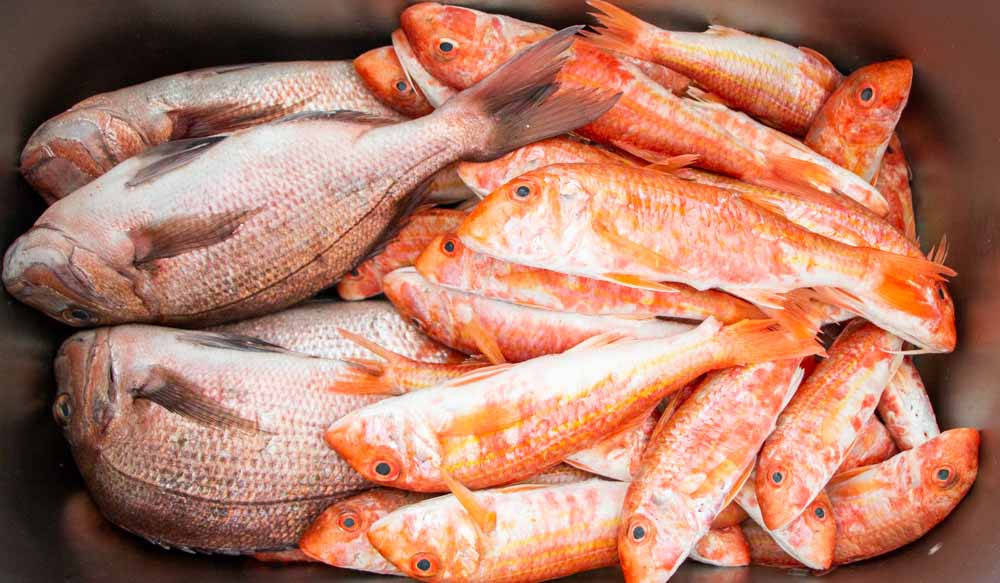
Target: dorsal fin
[
  {"x": 171, "y": 156},
  {"x": 345, "y": 115}
]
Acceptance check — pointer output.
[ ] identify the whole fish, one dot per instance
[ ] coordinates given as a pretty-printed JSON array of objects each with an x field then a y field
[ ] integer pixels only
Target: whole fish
[
  {"x": 501, "y": 331},
  {"x": 75, "y": 147},
  {"x": 873, "y": 445},
  {"x": 436, "y": 92},
  {"x": 883, "y": 507},
  {"x": 510, "y": 423},
  {"x": 449, "y": 263},
  {"x": 314, "y": 327},
  {"x": 224, "y": 228},
  {"x": 780, "y": 84},
  {"x": 458, "y": 46},
  {"x": 365, "y": 280},
  {"x": 821, "y": 423},
  {"x": 619, "y": 455},
  {"x": 696, "y": 462},
  {"x": 203, "y": 441},
  {"x": 843, "y": 220},
  {"x": 856, "y": 123},
  {"x": 722, "y": 547},
  {"x": 809, "y": 539},
  {"x": 637, "y": 226},
  {"x": 906, "y": 409},
  {"x": 894, "y": 184},
  {"x": 387, "y": 80}
]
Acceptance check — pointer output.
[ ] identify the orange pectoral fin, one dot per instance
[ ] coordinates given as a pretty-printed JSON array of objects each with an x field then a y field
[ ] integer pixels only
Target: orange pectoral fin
[
  {"x": 485, "y": 519},
  {"x": 485, "y": 342}
]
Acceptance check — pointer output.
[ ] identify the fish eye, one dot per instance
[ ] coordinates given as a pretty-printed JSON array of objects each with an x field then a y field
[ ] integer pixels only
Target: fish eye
[
  {"x": 354, "y": 273},
  {"x": 446, "y": 46},
  {"x": 940, "y": 291},
  {"x": 62, "y": 409},
  {"x": 639, "y": 530},
  {"x": 523, "y": 191},
  {"x": 401, "y": 86},
  {"x": 819, "y": 512},
  {"x": 349, "y": 521},
  {"x": 416, "y": 322},
  {"x": 424, "y": 564},
  {"x": 449, "y": 246},
  {"x": 777, "y": 477},
  {"x": 77, "y": 316},
  {"x": 944, "y": 476},
  {"x": 866, "y": 95},
  {"x": 385, "y": 470}
]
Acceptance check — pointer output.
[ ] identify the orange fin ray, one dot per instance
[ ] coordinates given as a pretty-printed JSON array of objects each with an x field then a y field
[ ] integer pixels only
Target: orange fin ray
[
  {"x": 619, "y": 30},
  {"x": 485, "y": 342},
  {"x": 485, "y": 519},
  {"x": 796, "y": 314}
]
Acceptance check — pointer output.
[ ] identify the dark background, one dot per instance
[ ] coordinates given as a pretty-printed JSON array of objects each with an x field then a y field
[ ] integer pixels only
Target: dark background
[{"x": 57, "y": 53}]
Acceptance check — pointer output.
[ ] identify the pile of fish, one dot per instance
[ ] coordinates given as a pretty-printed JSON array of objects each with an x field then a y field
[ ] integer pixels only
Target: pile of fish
[{"x": 614, "y": 262}]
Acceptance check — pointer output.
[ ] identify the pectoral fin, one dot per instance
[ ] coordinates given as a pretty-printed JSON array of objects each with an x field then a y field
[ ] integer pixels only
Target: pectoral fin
[{"x": 179, "y": 396}]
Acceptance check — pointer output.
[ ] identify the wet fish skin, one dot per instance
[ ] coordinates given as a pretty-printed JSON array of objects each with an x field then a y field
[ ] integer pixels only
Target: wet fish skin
[
  {"x": 853, "y": 131},
  {"x": 266, "y": 231},
  {"x": 75, "y": 147},
  {"x": 203, "y": 441},
  {"x": 821, "y": 423},
  {"x": 894, "y": 184},
  {"x": 765, "y": 551},
  {"x": 619, "y": 455},
  {"x": 722, "y": 547},
  {"x": 873, "y": 445},
  {"x": 385, "y": 77},
  {"x": 906, "y": 408}
]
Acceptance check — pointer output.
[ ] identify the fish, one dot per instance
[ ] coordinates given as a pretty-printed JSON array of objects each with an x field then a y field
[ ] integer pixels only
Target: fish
[
  {"x": 809, "y": 539},
  {"x": 819, "y": 426},
  {"x": 783, "y": 85},
  {"x": 906, "y": 409},
  {"x": 229, "y": 227},
  {"x": 447, "y": 262},
  {"x": 314, "y": 327},
  {"x": 894, "y": 184},
  {"x": 203, "y": 441},
  {"x": 513, "y": 422},
  {"x": 696, "y": 462},
  {"x": 436, "y": 92},
  {"x": 385, "y": 77},
  {"x": 648, "y": 120},
  {"x": 638, "y": 227},
  {"x": 854, "y": 126},
  {"x": 365, "y": 280},
  {"x": 843, "y": 220},
  {"x": 501, "y": 331},
  {"x": 77, "y": 146},
  {"x": 722, "y": 547},
  {"x": 731, "y": 515},
  {"x": 283, "y": 557},
  {"x": 619, "y": 455},
  {"x": 873, "y": 445},
  {"x": 882, "y": 507}
]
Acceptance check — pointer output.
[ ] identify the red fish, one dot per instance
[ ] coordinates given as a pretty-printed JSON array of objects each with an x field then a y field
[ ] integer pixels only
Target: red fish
[
  {"x": 894, "y": 184},
  {"x": 722, "y": 547},
  {"x": 873, "y": 445},
  {"x": 384, "y": 75}
]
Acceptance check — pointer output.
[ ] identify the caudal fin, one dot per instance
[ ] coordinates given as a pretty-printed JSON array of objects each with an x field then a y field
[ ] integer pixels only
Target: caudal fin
[
  {"x": 521, "y": 103},
  {"x": 621, "y": 31},
  {"x": 753, "y": 341}
]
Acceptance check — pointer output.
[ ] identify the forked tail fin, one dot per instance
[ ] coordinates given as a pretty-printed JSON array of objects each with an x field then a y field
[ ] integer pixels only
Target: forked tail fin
[{"x": 752, "y": 341}]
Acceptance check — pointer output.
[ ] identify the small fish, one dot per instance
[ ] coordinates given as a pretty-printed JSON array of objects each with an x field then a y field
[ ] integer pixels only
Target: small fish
[
  {"x": 619, "y": 455},
  {"x": 419, "y": 229},
  {"x": 855, "y": 125},
  {"x": 696, "y": 462},
  {"x": 284, "y": 557},
  {"x": 809, "y": 539},
  {"x": 637, "y": 227},
  {"x": 436, "y": 92},
  {"x": 449, "y": 263},
  {"x": 314, "y": 327},
  {"x": 228, "y": 227},
  {"x": 387, "y": 80},
  {"x": 906, "y": 409},
  {"x": 203, "y": 441},
  {"x": 501, "y": 331},
  {"x": 512, "y": 422},
  {"x": 883, "y": 507},
  {"x": 459, "y": 45},
  {"x": 873, "y": 445},
  {"x": 780, "y": 84},
  {"x": 819, "y": 426},
  {"x": 722, "y": 547},
  {"x": 75, "y": 147},
  {"x": 894, "y": 184}
]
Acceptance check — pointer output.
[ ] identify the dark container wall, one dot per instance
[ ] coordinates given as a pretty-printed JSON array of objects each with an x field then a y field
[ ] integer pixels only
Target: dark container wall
[{"x": 57, "y": 53}]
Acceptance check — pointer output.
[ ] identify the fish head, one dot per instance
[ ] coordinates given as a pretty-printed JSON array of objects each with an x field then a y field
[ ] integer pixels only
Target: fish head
[
  {"x": 813, "y": 534},
  {"x": 534, "y": 219},
  {"x": 485, "y": 177},
  {"x": 409, "y": 294},
  {"x": 460, "y": 46},
  {"x": 382, "y": 72},
  {"x": 656, "y": 534},
  {"x": 949, "y": 464},
  {"x": 435, "y": 540},
  {"x": 446, "y": 261},
  {"x": 941, "y": 326},
  {"x": 389, "y": 446},
  {"x": 359, "y": 283},
  {"x": 782, "y": 491},
  {"x": 48, "y": 270},
  {"x": 872, "y": 99}
]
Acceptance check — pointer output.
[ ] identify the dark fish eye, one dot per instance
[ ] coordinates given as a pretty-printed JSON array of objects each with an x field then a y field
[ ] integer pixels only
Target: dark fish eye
[
  {"x": 348, "y": 521},
  {"x": 943, "y": 474},
  {"x": 867, "y": 93},
  {"x": 423, "y": 565},
  {"x": 62, "y": 409},
  {"x": 416, "y": 322},
  {"x": 401, "y": 86},
  {"x": 522, "y": 191},
  {"x": 820, "y": 513},
  {"x": 638, "y": 533},
  {"x": 446, "y": 46},
  {"x": 354, "y": 272},
  {"x": 777, "y": 477},
  {"x": 383, "y": 468},
  {"x": 77, "y": 315},
  {"x": 449, "y": 246}
]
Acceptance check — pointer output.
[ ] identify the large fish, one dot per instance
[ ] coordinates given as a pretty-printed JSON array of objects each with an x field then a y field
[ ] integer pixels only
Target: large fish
[
  {"x": 387, "y": 80},
  {"x": 855, "y": 125},
  {"x": 203, "y": 441},
  {"x": 459, "y": 46},
  {"x": 501, "y": 331},
  {"x": 75, "y": 147},
  {"x": 637, "y": 226},
  {"x": 906, "y": 408},
  {"x": 696, "y": 462},
  {"x": 227, "y": 227},
  {"x": 783, "y": 85},
  {"x": 515, "y": 422},
  {"x": 819, "y": 426},
  {"x": 449, "y": 263}
]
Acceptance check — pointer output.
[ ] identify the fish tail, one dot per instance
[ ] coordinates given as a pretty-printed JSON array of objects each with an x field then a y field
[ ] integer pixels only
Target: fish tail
[
  {"x": 521, "y": 104},
  {"x": 622, "y": 32},
  {"x": 753, "y": 341}
]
